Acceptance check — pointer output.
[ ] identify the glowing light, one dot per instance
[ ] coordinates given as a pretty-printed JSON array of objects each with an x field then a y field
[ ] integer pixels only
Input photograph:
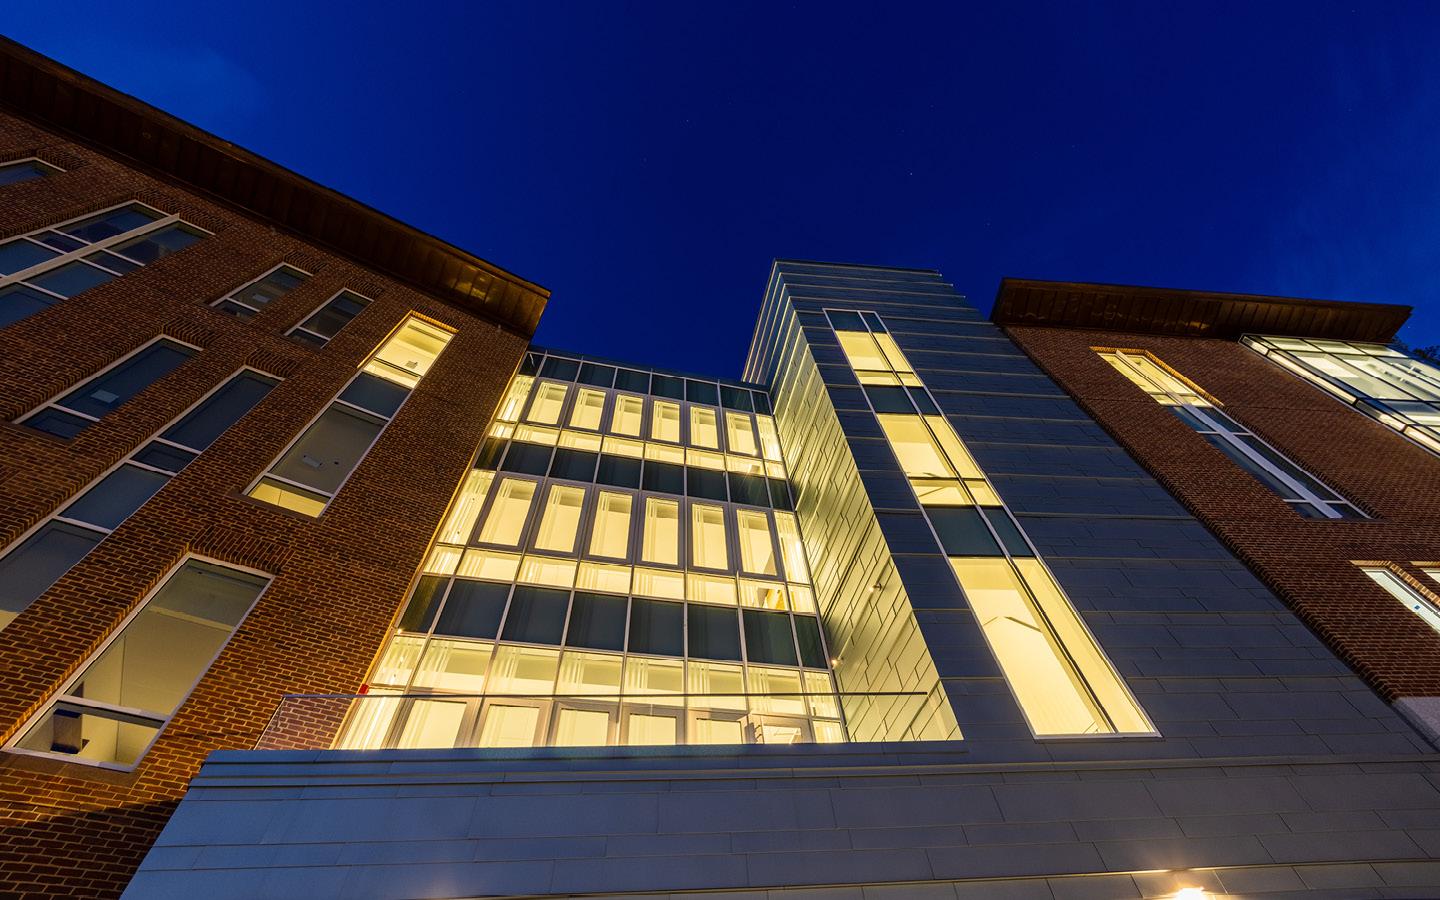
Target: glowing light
[{"x": 1190, "y": 893}]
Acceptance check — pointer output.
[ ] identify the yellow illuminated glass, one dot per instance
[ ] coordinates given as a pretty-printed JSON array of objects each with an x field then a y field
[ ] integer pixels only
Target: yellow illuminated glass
[
  {"x": 491, "y": 565},
  {"x": 507, "y": 514},
  {"x": 524, "y": 670},
  {"x": 625, "y": 447},
  {"x": 663, "y": 583},
  {"x": 661, "y": 539},
  {"x": 707, "y": 537},
  {"x": 442, "y": 560},
  {"x": 744, "y": 465},
  {"x": 802, "y": 599},
  {"x": 579, "y": 440},
  {"x": 914, "y": 446},
  {"x": 287, "y": 497},
  {"x": 611, "y": 579},
  {"x": 769, "y": 439},
  {"x": 892, "y": 353},
  {"x": 705, "y": 459},
  {"x": 409, "y": 352},
  {"x": 537, "y": 434},
  {"x": 502, "y": 430},
  {"x": 711, "y": 588},
  {"x": 547, "y": 571},
  {"x": 861, "y": 350},
  {"x": 515, "y": 398},
  {"x": 712, "y": 679},
  {"x": 762, "y": 594},
  {"x": 791, "y": 550},
  {"x": 561, "y": 519},
  {"x": 955, "y": 451},
  {"x": 549, "y": 399},
  {"x": 1144, "y": 373},
  {"x": 665, "y": 453},
  {"x": 589, "y": 673},
  {"x": 940, "y": 492},
  {"x": 589, "y": 405},
  {"x": 628, "y": 413},
  {"x": 757, "y": 551},
  {"x": 703, "y": 429},
  {"x": 665, "y": 421},
  {"x": 610, "y": 535},
  {"x": 654, "y": 676},
  {"x": 739, "y": 436}
]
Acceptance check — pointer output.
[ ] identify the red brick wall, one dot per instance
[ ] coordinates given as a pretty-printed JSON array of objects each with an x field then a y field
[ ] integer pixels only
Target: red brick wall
[
  {"x": 68, "y": 829},
  {"x": 1308, "y": 562}
]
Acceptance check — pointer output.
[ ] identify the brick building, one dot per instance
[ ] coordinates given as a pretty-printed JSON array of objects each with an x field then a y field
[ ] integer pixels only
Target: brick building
[{"x": 318, "y": 580}]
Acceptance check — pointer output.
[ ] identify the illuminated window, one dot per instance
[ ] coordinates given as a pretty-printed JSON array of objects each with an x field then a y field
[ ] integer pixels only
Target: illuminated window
[
  {"x": 661, "y": 542},
  {"x": 665, "y": 421},
  {"x": 703, "y": 429},
  {"x": 515, "y": 398},
  {"x": 862, "y": 352},
  {"x": 549, "y": 399},
  {"x": 792, "y": 551},
  {"x": 306, "y": 477},
  {"x": 769, "y": 439},
  {"x": 561, "y": 519},
  {"x": 915, "y": 447},
  {"x": 116, "y": 706},
  {"x": 707, "y": 537},
  {"x": 663, "y": 583},
  {"x": 628, "y": 413},
  {"x": 588, "y": 407},
  {"x": 1400, "y": 391},
  {"x": 757, "y": 550},
  {"x": 1402, "y": 590},
  {"x": 507, "y": 515},
  {"x": 739, "y": 436},
  {"x": 611, "y": 534},
  {"x": 1302, "y": 491},
  {"x": 466, "y": 508}
]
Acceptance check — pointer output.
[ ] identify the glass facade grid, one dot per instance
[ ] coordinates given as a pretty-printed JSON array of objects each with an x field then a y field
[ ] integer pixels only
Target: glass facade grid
[
  {"x": 1400, "y": 391},
  {"x": 1303, "y": 492},
  {"x": 1064, "y": 684},
  {"x": 39, "y": 269}
]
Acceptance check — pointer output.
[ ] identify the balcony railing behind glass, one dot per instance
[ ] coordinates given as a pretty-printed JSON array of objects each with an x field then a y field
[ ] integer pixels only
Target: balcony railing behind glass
[{"x": 380, "y": 721}]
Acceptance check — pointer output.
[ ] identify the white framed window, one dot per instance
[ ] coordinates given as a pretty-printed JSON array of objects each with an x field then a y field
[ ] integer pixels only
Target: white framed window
[
  {"x": 311, "y": 470},
  {"x": 1303, "y": 492},
  {"x": 113, "y": 709},
  {"x": 1411, "y": 598},
  {"x": 245, "y": 302},
  {"x": 39, "y": 558},
  {"x": 28, "y": 169},
  {"x": 39, "y": 269},
  {"x": 328, "y": 318},
  {"x": 110, "y": 388}
]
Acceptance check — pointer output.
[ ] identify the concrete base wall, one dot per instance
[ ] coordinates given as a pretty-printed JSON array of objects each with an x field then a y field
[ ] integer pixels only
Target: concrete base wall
[{"x": 849, "y": 821}]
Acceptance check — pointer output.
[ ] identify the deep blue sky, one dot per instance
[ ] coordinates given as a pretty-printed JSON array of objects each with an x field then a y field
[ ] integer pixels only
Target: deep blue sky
[{"x": 647, "y": 161}]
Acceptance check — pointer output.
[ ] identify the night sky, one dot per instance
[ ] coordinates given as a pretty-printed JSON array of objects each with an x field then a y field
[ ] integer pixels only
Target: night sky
[{"x": 646, "y": 162}]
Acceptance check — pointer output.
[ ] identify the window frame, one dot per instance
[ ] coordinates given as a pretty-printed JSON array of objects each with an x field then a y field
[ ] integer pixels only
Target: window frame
[
  {"x": 255, "y": 311},
  {"x": 42, "y": 163},
  {"x": 59, "y": 694},
  {"x": 325, "y": 341},
  {"x": 53, "y": 403}
]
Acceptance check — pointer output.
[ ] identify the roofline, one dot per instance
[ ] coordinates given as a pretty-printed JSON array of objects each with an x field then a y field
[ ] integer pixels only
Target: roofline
[
  {"x": 76, "y": 106},
  {"x": 781, "y": 260},
  {"x": 1172, "y": 311}
]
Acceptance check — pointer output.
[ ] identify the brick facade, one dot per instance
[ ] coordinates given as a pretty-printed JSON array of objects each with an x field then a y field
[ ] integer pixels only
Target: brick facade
[
  {"x": 70, "y": 829},
  {"x": 1308, "y": 562}
]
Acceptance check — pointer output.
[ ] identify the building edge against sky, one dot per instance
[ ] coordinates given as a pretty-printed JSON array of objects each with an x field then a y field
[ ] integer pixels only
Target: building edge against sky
[{"x": 922, "y": 604}]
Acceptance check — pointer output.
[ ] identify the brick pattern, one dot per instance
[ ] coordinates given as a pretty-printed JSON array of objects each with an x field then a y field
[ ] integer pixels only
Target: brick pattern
[
  {"x": 1309, "y": 563},
  {"x": 338, "y": 580}
]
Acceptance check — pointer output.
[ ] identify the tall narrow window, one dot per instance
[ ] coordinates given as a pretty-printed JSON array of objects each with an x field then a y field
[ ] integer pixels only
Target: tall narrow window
[
  {"x": 561, "y": 519},
  {"x": 707, "y": 537},
  {"x": 112, "y": 711},
  {"x": 665, "y": 421},
  {"x": 1408, "y": 596},
  {"x": 739, "y": 435},
  {"x": 515, "y": 397},
  {"x": 757, "y": 548},
  {"x": 1057, "y": 672},
  {"x": 306, "y": 477},
  {"x": 791, "y": 550},
  {"x": 703, "y": 430},
  {"x": 261, "y": 292},
  {"x": 1302, "y": 491},
  {"x": 661, "y": 539},
  {"x": 549, "y": 400},
  {"x": 44, "y": 267},
  {"x": 610, "y": 535},
  {"x": 628, "y": 412},
  {"x": 29, "y": 568},
  {"x": 588, "y": 407},
  {"x": 324, "y": 323},
  {"x": 506, "y": 520},
  {"x": 70, "y": 414}
]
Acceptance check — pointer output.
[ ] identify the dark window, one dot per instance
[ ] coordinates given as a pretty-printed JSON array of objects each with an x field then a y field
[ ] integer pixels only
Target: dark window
[
  {"x": 714, "y": 632},
  {"x": 780, "y": 494},
  {"x": 330, "y": 449},
  {"x": 705, "y": 483},
  {"x": 19, "y": 301},
  {"x": 1009, "y": 534},
  {"x": 889, "y": 399},
  {"x": 71, "y": 279},
  {"x": 664, "y": 478},
  {"x": 22, "y": 254},
  {"x": 29, "y": 570},
  {"x": 473, "y": 609},
  {"x": 702, "y": 392},
  {"x": 874, "y": 322},
  {"x": 597, "y": 622},
  {"x": 109, "y": 224},
  {"x": 768, "y": 638},
  {"x": 164, "y": 456},
  {"x": 749, "y": 489},
  {"x": 923, "y": 402},
  {"x": 327, "y": 321},
  {"x": 762, "y": 402},
  {"x": 379, "y": 395},
  {"x": 573, "y": 465},
  {"x": 736, "y": 398},
  {"x": 657, "y": 626},
  {"x": 537, "y": 615},
  {"x": 600, "y": 376},
  {"x": 60, "y": 424},
  {"x": 116, "y": 496},
  {"x": 620, "y": 471},
  {"x": 112, "y": 388},
  {"x": 559, "y": 369},
  {"x": 161, "y": 242},
  {"x": 962, "y": 532},
  {"x": 222, "y": 409},
  {"x": 112, "y": 262},
  {"x": 259, "y": 294},
  {"x": 812, "y": 651},
  {"x": 420, "y": 611},
  {"x": 668, "y": 386},
  {"x": 844, "y": 320},
  {"x": 530, "y": 364},
  {"x": 529, "y": 459},
  {"x": 490, "y": 452},
  {"x": 631, "y": 380},
  {"x": 16, "y": 172}
]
